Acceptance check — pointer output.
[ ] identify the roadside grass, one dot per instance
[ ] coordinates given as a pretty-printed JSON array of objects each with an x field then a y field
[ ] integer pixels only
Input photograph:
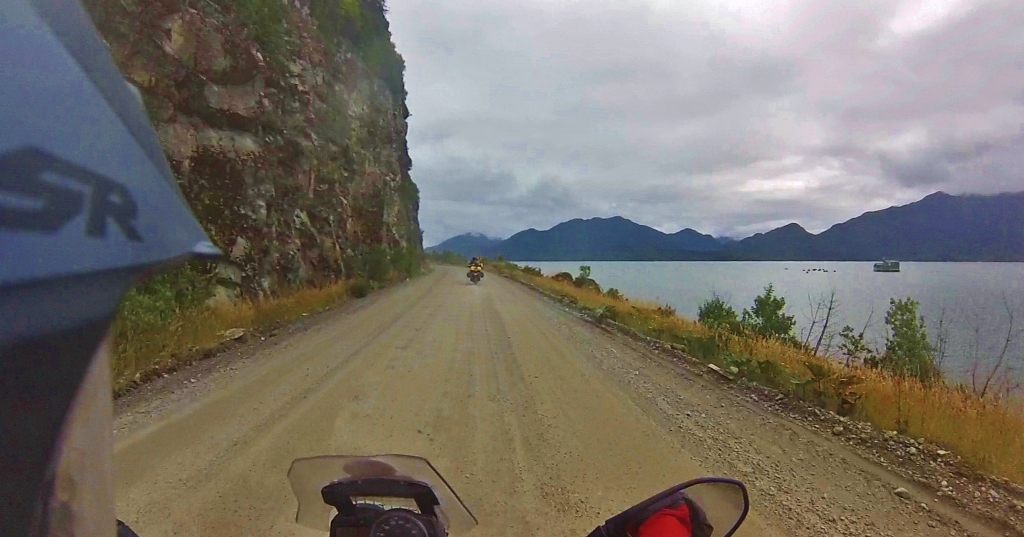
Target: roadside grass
[
  {"x": 144, "y": 349},
  {"x": 987, "y": 434},
  {"x": 172, "y": 320}
]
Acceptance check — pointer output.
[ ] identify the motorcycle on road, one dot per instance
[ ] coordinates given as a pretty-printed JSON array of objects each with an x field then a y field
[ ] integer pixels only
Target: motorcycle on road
[
  {"x": 405, "y": 496},
  {"x": 476, "y": 273}
]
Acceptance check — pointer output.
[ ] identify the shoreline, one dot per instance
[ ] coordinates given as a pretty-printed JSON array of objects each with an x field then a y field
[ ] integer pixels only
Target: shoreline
[
  {"x": 748, "y": 261},
  {"x": 988, "y": 434}
]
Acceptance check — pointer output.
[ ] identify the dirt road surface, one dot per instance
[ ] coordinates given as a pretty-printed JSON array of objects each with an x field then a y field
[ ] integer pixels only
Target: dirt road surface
[{"x": 544, "y": 424}]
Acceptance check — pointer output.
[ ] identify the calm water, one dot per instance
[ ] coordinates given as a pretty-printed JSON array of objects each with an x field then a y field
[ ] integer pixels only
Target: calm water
[{"x": 972, "y": 295}]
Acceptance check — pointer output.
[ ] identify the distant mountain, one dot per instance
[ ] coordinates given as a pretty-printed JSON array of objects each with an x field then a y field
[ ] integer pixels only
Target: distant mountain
[
  {"x": 467, "y": 245},
  {"x": 603, "y": 239},
  {"x": 695, "y": 241},
  {"x": 940, "y": 227},
  {"x": 786, "y": 242},
  {"x": 611, "y": 238},
  {"x": 595, "y": 239}
]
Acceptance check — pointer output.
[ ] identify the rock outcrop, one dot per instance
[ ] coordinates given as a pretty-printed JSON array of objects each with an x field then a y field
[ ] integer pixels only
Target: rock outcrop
[{"x": 287, "y": 132}]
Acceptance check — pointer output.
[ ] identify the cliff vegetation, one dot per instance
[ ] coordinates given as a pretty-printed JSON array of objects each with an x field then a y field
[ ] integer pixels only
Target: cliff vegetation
[{"x": 285, "y": 125}]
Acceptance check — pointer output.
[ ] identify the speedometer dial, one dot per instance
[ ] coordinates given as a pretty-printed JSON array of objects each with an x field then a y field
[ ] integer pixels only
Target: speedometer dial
[{"x": 399, "y": 523}]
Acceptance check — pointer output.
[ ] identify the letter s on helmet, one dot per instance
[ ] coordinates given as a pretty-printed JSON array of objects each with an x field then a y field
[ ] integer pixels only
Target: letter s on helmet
[{"x": 87, "y": 205}]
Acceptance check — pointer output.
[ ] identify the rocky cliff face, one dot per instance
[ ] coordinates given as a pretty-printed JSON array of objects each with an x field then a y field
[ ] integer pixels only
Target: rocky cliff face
[{"x": 287, "y": 133}]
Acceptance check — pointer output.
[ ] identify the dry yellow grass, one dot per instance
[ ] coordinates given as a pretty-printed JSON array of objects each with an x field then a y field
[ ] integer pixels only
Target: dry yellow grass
[
  {"x": 141, "y": 352},
  {"x": 988, "y": 434}
]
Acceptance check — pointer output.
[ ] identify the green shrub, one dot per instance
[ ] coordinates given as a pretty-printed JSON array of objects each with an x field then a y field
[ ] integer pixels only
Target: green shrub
[
  {"x": 337, "y": 18},
  {"x": 157, "y": 300},
  {"x": 359, "y": 288},
  {"x": 378, "y": 265},
  {"x": 586, "y": 283},
  {"x": 364, "y": 26},
  {"x": 907, "y": 349},
  {"x": 528, "y": 270},
  {"x": 717, "y": 313},
  {"x": 666, "y": 311},
  {"x": 768, "y": 318},
  {"x": 613, "y": 294},
  {"x": 266, "y": 21},
  {"x": 406, "y": 261},
  {"x": 564, "y": 277},
  {"x": 606, "y": 313},
  {"x": 706, "y": 348},
  {"x": 854, "y": 347}
]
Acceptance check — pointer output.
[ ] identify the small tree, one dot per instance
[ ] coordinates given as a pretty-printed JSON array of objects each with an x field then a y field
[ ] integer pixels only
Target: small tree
[
  {"x": 564, "y": 277},
  {"x": 820, "y": 319},
  {"x": 907, "y": 349},
  {"x": 584, "y": 281},
  {"x": 854, "y": 347},
  {"x": 768, "y": 318},
  {"x": 1000, "y": 379},
  {"x": 377, "y": 263},
  {"x": 717, "y": 313}
]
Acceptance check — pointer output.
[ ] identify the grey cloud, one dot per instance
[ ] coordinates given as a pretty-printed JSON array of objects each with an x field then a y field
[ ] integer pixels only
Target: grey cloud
[
  {"x": 464, "y": 195},
  {"x": 982, "y": 166},
  {"x": 923, "y": 168},
  {"x": 530, "y": 113},
  {"x": 548, "y": 194},
  {"x": 461, "y": 180}
]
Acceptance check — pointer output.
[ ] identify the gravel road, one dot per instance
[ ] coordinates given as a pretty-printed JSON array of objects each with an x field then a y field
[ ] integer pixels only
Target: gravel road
[{"x": 543, "y": 423}]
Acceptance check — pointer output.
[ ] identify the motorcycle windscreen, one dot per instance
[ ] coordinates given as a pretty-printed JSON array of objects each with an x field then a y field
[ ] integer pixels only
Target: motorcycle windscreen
[{"x": 308, "y": 476}]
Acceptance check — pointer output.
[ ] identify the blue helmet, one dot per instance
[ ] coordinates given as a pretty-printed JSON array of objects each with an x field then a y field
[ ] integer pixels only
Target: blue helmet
[{"x": 87, "y": 205}]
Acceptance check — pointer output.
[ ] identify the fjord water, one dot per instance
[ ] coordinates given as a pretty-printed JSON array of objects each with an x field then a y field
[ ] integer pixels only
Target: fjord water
[{"x": 970, "y": 297}]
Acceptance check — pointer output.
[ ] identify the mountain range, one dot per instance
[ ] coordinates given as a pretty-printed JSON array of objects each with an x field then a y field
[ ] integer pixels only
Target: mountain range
[{"x": 940, "y": 227}]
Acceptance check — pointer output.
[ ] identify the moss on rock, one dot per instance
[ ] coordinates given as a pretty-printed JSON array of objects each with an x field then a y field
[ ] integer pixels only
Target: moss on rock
[{"x": 285, "y": 126}]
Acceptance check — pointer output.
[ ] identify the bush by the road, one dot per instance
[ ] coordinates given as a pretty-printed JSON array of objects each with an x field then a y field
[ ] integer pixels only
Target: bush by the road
[
  {"x": 170, "y": 320},
  {"x": 143, "y": 349},
  {"x": 717, "y": 313},
  {"x": 613, "y": 294},
  {"x": 359, "y": 288},
  {"x": 987, "y": 432},
  {"x": 563, "y": 277},
  {"x": 907, "y": 349},
  {"x": 768, "y": 319},
  {"x": 532, "y": 271}
]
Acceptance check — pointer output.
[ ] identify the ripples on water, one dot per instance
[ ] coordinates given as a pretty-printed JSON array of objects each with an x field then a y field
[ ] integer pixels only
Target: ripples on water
[{"x": 970, "y": 298}]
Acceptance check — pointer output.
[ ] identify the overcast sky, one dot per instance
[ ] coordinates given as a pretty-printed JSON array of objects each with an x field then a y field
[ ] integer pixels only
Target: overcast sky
[{"x": 730, "y": 117}]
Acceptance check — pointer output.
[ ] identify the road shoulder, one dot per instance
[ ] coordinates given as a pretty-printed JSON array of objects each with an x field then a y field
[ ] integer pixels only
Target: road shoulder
[{"x": 857, "y": 481}]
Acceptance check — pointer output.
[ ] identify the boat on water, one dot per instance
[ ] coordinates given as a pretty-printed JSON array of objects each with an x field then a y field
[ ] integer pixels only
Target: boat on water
[{"x": 887, "y": 265}]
